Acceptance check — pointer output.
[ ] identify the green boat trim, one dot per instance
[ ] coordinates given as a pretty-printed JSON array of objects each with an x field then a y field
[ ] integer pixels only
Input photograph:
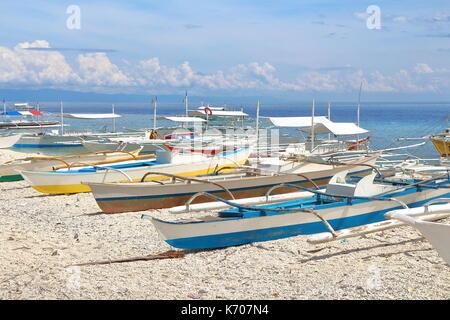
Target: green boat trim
[{"x": 13, "y": 177}]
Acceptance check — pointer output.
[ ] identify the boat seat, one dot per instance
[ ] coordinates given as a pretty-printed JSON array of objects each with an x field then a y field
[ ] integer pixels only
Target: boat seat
[
  {"x": 339, "y": 187},
  {"x": 363, "y": 188}
]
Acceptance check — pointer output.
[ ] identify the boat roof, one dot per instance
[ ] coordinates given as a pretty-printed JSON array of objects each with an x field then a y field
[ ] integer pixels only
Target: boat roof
[
  {"x": 336, "y": 128},
  {"x": 22, "y": 113},
  {"x": 320, "y": 124},
  {"x": 219, "y": 113},
  {"x": 212, "y": 108},
  {"x": 91, "y": 115},
  {"x": 186, "y": 119},
  {"x": 296, "y": 122}
]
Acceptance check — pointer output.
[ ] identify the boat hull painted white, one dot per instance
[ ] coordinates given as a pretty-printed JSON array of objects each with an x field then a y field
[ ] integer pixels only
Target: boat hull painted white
[{"x": 236, "y": 231}]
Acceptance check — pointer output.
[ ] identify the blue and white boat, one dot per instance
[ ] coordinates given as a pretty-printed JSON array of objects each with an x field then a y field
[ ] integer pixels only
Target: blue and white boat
[{"x": 342, "y": 205}]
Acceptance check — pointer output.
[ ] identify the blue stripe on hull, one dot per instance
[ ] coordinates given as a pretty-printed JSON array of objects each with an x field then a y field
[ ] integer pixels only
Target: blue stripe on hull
[
  {"x": 239, "y": 238},
  {"x": 21, "y": 145}
]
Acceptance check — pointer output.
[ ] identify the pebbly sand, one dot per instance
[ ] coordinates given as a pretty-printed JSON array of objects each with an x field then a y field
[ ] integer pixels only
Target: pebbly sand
[{"x": 41, "y": 236}]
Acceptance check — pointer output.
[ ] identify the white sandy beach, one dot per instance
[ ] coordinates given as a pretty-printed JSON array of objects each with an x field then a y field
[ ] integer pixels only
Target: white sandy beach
[{"x": 42, "y": 236}]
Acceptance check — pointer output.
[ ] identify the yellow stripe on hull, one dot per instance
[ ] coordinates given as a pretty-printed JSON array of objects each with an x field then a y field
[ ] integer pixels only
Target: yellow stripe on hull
[
  {"x": 62, "y": 189},
  {"x": 79, "y": 188}
]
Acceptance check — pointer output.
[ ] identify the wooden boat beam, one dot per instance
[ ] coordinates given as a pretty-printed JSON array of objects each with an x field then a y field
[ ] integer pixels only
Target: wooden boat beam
[
  {"x": 174, "y": 176},
  {"x": 281, "y": 185},
  {"x": 253, "y": 170},
  {"x": 52, "y": 158},
  {"x": 329, "y": 227},
  {"x": 107, "y": 169},
  {"x": 337, "y": 163}
]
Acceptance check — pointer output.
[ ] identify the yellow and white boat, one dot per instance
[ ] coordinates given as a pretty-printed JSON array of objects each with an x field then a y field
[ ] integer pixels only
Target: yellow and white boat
[
  {"x": 167, "y": 162},
  {"x": 9, "y": 170},
  {"x": 442, "y": 143}
]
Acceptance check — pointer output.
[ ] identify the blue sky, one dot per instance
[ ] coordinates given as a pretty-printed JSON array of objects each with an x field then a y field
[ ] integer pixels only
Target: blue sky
[{"x": 281, "y": 48}]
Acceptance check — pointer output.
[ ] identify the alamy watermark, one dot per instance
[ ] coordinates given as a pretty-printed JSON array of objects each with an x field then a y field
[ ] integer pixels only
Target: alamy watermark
[
  {"x": 373, "y": 21},
  {"x": 374, "y": 280},
  {"x": 73, "y": 22},
  {"x": 73, "y": 281}
]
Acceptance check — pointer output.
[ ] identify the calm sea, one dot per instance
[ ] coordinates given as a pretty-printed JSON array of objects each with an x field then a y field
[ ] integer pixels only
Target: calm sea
[{"x": 386, "y": 121}]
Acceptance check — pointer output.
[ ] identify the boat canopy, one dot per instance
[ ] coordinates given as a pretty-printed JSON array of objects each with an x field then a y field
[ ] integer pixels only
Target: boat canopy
[
  {"x": 297, "y": 122},
  {"x": 321, "y": 125},
  {"x": 22, "y": 113},
  {"x": 91, "y": 115},
  {"x": 219, "y": 113},
  {"x": 336, "y": 128},
  {"x": 212, "y": 108},
  {"x": 185, "y": 119}
]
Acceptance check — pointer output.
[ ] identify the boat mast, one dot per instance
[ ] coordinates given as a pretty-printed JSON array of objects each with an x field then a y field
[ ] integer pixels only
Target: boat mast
[
  {"x": 312, "y": 126},
  {"x": 257, "y": 131},
  {"x": 329, "y": 118},
  {"x": 62, "y": 117},
  {"x": 113, "y": 120},
  {"x": 154, "y": 101},
  {"x": 358, "y": 113},
  {"x": 186, "y": 103}
]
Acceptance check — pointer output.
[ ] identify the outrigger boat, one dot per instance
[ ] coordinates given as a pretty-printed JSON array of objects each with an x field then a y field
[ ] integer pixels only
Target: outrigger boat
[
  {"x": 342, "y": 205},
  {"x": 442, "y": 143},
  {"x": 184, "y": 164},
  {"x": 247, "y": 182},
  {"x": 9, "y": 170},
  {"x": 438, "y": 234},
  {"x": 8, "y": 141},
  {"x": 27, "y": 111},
  {"x": 422, "y": 218}
]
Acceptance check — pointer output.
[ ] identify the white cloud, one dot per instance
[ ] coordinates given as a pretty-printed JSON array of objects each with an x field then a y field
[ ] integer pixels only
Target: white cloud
[
  {"x": 361, "y": 15},
  {"x": 20, "y": 67},
  {"x": 35, "y": 67},
  {"x": 423, "y": 68},
  {"x": 400, "y": 19},
  {"x": 96, "y": 69}
]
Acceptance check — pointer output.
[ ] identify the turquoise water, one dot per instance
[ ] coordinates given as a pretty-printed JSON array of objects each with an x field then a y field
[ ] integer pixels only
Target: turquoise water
[{"x": 386, "y": 121}]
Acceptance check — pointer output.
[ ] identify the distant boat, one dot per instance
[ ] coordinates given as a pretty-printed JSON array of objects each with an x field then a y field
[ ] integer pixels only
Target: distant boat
[
  {"x": 28, "y": 111},
  {"x": 8, "y": 141},
  {"x": 9, "y": 170},
  {"x": 442, "y": 143}
]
